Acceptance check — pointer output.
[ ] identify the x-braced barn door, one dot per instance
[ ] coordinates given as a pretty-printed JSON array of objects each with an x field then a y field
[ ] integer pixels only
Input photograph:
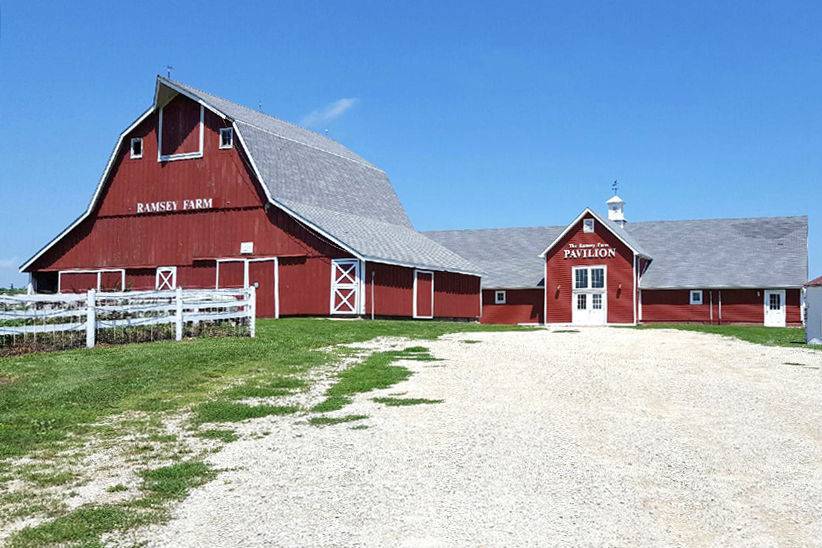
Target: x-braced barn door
[{"x": 345, "y": 286}]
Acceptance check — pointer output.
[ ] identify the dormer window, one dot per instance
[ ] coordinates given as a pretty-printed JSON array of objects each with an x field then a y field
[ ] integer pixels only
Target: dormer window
[
  {"x": 588, "y": 225},
  {"x": 136, "y": 148},
  {"x": 226, "y": 137}
]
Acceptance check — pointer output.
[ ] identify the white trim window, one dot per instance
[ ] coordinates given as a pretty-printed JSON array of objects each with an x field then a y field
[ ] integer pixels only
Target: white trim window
[
  {"x": 226, "y": 137},
  {"x": 136, "y": 148},
  {"x": 588, "y": 225},
  {"x": 500, "y": 297},
  {"x": 696, "y": 297},
  {"x": 166, "y": 278}
]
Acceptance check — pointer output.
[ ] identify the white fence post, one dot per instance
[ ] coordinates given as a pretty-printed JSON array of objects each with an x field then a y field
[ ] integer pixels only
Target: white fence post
[
  {"x": 179, "y": 317},
  {"x": 91, "y": 318},
  {"x": 252, "y": 311}
]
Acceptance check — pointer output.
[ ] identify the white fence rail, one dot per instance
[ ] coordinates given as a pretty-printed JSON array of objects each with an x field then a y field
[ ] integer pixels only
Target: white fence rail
[{"x": 93, "y": 311}]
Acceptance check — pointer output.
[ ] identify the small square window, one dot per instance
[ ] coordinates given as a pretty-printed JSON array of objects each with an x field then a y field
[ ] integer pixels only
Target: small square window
[
  {"x": 136, "y": 148},
  {"x": 588, "y": 225},
  {"x": 499, "y": 297},
  {"x": 226, "y": 137},
  {"x": 696, "y": 296}
]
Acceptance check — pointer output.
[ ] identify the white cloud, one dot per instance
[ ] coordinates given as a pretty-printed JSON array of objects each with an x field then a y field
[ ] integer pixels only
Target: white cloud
[
  {"x": 329, "y": 112},
  {"x": 7, "y": 264}
]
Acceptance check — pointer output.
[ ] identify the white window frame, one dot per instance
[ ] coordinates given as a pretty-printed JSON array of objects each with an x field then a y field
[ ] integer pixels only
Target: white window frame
[
  {"x": 588, "y": 226},
  {"x": 691, "y": 295},
  {"x": 131, "y": 148},
  {"x": 500, "y": 297},
  {"x": 158, "y": 276},
  {"x": 230, "y": 131}
]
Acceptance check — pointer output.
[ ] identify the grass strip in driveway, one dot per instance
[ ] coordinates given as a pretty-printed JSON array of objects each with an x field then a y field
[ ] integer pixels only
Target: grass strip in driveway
[
  {"x": 400, "y": 402},
  {"x": 85, "y": 525},
  {"x": 324, "y": 421},
  {"x": 228, "y": 411},
  {"x": 374, "y": 373},
  {"x": 791, "y": 337}
]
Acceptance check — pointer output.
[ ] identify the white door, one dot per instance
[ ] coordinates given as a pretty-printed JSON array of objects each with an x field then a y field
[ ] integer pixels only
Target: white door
[
  {"x": 775, "y": 308},
  {"x": 345, "y": 286},
  {"x": 589, "y": 302}
]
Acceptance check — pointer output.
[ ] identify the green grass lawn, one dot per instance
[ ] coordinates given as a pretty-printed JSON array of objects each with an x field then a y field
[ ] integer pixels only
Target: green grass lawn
[
  {"x": 771, "y": 336},
  {"x": 54, "y": 403}
]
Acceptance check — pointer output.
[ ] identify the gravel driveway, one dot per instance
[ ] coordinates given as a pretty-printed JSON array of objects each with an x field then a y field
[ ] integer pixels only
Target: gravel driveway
[{"x": 603, "y": 436}]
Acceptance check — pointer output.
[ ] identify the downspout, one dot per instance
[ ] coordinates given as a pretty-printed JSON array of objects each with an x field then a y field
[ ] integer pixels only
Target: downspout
[
  {"x": 373, "y": 274},
  {"x": 710, "y": 307},
  {"x": 720, "y": 307}
]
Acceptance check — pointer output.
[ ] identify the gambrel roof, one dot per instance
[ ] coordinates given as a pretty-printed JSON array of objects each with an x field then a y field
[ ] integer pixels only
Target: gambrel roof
[
  {"x": 709, "y": 253},
  {"x": 321, "y": 183}
]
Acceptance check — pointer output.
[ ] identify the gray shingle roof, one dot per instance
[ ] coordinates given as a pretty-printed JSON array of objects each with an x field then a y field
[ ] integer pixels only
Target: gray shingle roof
[
  {"x": 758, "y": 252},
  {"x": 753, "y": 252},
  {"x": 508, "y": 257},
  {"x": 332, "y": 188}
]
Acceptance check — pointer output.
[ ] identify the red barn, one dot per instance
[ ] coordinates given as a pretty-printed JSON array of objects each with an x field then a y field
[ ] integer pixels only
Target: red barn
[
  {"x": 201, "y": 192},
  {"x": 604, "y": 271}
]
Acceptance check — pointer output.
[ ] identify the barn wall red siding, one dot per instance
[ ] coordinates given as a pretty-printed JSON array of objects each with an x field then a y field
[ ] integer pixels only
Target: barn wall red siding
[
  {"x": 522, "y": 306},
  {"x": 738, "y": 306},
  {"x": 181, "y": 126},
  {"x": 673, "y": 305},
  {"x": 77, "y": 282},
  {"x": 392, "y": 290},
  {"x": 424, "y": 294},
  {"x": 456, "y": 295},
  {"x": 793, "y": 303},
  {"x": 620, "y": 275},
  {"x": 305, "y": 286}
]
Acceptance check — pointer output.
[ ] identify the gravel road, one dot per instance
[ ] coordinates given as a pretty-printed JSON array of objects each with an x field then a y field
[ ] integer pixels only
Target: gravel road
[{"x": 603, "y": 436}]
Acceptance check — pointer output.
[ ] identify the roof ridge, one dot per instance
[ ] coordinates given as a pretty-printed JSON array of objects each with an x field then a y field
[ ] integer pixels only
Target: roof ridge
[
  {"x": 280, "y": 120},
  {"x": 275, "y": 134},
  {"x": 629, "y": 223},
  {"x": 498, "y": 228}
]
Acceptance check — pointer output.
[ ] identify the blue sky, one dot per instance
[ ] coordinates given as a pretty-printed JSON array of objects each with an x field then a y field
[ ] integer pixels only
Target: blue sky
[{"x": 483, "y": 114}]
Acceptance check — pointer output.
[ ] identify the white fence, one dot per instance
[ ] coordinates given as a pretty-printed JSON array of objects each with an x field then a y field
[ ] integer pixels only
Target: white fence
[{"x": 22, "y": 315}]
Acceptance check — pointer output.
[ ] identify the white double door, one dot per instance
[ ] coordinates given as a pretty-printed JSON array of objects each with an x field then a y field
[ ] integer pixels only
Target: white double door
[
  {"x": 589, "y": 302},
  {"x": 775, "y": 308}
]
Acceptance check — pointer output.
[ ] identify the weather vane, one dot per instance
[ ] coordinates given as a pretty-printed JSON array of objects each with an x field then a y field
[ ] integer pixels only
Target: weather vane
[
  {"x": 615, "y": 187},
  {"x": 169, "y": 68}
]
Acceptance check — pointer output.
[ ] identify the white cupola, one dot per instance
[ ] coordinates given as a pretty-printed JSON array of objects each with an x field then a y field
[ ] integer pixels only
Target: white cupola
[{"x": 616, "y": 210}]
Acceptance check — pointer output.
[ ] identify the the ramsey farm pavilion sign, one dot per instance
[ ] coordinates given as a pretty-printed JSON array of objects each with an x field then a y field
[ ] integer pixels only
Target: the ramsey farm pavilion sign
[{"x": 589, "y": 251}]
